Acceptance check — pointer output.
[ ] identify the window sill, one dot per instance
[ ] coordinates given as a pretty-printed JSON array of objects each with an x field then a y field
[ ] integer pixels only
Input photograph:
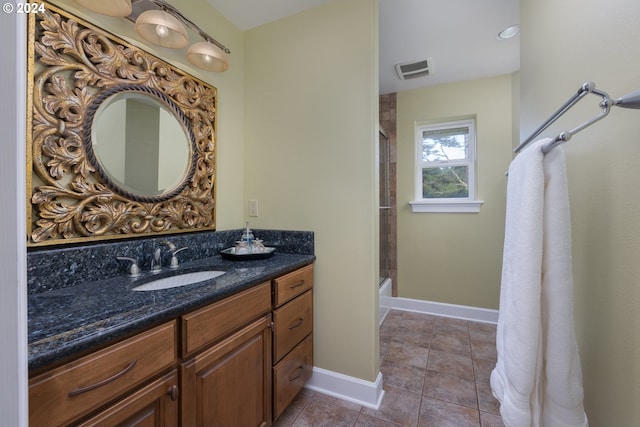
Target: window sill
[{"x": 465, "y": 206}]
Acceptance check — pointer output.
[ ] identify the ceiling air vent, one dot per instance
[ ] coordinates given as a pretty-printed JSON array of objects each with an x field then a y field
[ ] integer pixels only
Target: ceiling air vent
[{"x": 412, "y": 70}]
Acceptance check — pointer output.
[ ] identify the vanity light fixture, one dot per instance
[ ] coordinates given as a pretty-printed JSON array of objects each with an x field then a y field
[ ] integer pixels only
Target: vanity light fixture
[
  {"x": 207, "y": 56},
  {"x": 110, "y": 8},
  {"x": 509, "y": 32},
  {"x": 162, "y": 24},
  {"x": 162, "y": 28}
]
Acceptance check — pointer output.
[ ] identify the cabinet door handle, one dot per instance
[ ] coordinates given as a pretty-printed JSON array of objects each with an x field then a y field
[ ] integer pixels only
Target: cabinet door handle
[
  {"x": 297, "y": 323},
  {"x": 104, "y": 382},
  {"x": 297, "y": 285},
  {"x": 173, "y": 392},
  {"x": 298, "y": 372}
]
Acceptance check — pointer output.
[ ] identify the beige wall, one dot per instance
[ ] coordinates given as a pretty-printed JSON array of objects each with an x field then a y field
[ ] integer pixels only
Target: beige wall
[
  {"x": 455, "y": 258},
  {"x": 563, "y": 45},
  {"x": 304, "y": 147},
  {"x": 515, "y": 108},
  {"x": 311, "y": 131}
]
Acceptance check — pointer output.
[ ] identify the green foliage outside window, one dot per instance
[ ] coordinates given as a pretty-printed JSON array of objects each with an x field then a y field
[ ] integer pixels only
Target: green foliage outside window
[{"x": 445, "y": 182}]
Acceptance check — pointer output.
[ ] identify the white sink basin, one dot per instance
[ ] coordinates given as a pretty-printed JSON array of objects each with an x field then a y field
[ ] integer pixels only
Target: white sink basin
[{"x": 179, "y": 280}]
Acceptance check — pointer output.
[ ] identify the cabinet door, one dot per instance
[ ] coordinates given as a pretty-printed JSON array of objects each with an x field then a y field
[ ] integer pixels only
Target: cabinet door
[
  {"x": 155, "y": 405},
  {"x": 229, "y": 384}
]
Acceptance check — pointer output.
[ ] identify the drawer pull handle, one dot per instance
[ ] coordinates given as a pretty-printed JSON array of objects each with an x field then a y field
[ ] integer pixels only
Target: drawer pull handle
[
  {"x": 297, "y": 323},
  {"x": 173, "y": 392},
  {"x": 297, "y": 285},
  {"x": 298, "y": 372},
  {"x": 103, "y": 382}
]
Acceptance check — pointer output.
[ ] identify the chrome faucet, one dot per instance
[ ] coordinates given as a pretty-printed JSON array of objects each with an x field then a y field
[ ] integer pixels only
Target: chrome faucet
[
  {"x": 173, "y": 251},
  {"x": 134, "y": 270},
  {"x": 156, "y": 262}
]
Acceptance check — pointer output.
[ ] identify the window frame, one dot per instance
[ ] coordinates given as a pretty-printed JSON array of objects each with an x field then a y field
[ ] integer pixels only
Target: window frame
[{"x": 446, "y": 204}]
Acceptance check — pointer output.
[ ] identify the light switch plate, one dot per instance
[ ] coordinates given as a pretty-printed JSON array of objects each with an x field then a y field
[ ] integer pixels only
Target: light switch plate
[{"x": 253, "y": 208}]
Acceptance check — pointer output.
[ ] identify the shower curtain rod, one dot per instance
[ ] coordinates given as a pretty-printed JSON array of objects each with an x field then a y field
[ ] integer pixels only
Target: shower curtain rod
[{"x": 631, "y": 100}]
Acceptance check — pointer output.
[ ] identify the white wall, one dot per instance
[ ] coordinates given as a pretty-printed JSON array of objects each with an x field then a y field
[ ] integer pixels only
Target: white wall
[
  {"x": 564, "y": 44},
  {"x": 13, "y": 296},
  {"x": 311, "y": 135}
]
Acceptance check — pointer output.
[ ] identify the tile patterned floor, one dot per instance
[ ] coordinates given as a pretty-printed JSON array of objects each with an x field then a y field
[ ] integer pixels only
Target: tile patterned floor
[{"x": 436, "y": 374}]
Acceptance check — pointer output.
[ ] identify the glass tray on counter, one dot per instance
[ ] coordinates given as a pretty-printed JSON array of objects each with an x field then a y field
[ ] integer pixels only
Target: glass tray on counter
[{"x": 230, "y": 253}]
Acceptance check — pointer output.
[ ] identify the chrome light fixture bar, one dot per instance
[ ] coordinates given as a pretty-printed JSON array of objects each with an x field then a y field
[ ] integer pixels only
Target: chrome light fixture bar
[{"x": 162, "y": 24}]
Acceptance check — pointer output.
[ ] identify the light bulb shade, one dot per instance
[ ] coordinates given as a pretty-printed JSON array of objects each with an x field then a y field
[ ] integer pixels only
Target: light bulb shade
[
  {"x": 162, "y": 28},
  {"x": 110, "y": 8},
  {"x": 207, "y": 56}
]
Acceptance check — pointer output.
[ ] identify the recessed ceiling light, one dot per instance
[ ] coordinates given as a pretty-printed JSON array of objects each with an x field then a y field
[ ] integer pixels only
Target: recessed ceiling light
[{"x": 509, "y": 32}]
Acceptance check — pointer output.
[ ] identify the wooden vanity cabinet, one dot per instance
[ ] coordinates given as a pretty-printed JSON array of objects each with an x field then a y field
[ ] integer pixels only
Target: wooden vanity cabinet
[
  {"x": 293, "y": 337},
  {"x": 233, "y": 382},
  {"x": 64, "y": 395},
  {"x": 238, "y": 362},
  {"x": 229, "y": 382}
]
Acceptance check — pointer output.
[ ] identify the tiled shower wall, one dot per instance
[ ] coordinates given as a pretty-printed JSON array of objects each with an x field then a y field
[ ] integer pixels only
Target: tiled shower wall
[{"x": 387, "y": 112}]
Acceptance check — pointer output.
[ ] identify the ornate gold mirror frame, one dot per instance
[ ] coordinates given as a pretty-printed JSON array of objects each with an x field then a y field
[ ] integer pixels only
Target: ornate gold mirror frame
[{"x": 72, "y": 67}]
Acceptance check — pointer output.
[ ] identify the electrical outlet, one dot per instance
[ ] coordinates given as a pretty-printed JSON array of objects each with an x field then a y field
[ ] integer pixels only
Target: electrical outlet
[{"x": 253, "y": 208}]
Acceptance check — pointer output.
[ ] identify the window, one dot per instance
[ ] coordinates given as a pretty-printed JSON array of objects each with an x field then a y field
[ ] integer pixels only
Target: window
[{"x": 445, "y": 167}]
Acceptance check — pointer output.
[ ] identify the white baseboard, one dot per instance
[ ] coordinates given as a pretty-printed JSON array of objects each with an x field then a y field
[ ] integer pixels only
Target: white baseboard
[
  {"x": 475, "y": 314},
  {"x": 370, "y": 394},
  {"x": 347, "y": 388}
]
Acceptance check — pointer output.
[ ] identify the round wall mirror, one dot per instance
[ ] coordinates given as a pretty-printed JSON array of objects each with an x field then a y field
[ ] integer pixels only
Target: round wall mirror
[{"x": 140, "y": 143}]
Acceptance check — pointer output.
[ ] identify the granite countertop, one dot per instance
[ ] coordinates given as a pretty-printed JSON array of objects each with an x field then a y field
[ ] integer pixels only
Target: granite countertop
[{"x": 71, "y": 321}]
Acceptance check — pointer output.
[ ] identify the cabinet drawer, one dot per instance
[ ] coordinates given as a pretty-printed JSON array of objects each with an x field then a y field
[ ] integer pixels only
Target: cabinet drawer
[
  {"x": 214, "y": 321},
  {"x": 292, "y": 284},
  {"x": 291, "y": 374},
  {"x": 79, "y": 387},
  {"x": 292, "y": 322}
]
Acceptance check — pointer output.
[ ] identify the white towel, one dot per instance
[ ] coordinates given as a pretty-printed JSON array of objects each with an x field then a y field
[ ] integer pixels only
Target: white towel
[{"x": 537, "y": 378}]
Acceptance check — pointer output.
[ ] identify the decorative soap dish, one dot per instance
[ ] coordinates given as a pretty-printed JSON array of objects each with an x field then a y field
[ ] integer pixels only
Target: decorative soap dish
[{"x": 230, "y": 253}]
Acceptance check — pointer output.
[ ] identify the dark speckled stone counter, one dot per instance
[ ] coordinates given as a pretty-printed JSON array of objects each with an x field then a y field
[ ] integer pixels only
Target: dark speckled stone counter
[{"x": 68, "y": 321}]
